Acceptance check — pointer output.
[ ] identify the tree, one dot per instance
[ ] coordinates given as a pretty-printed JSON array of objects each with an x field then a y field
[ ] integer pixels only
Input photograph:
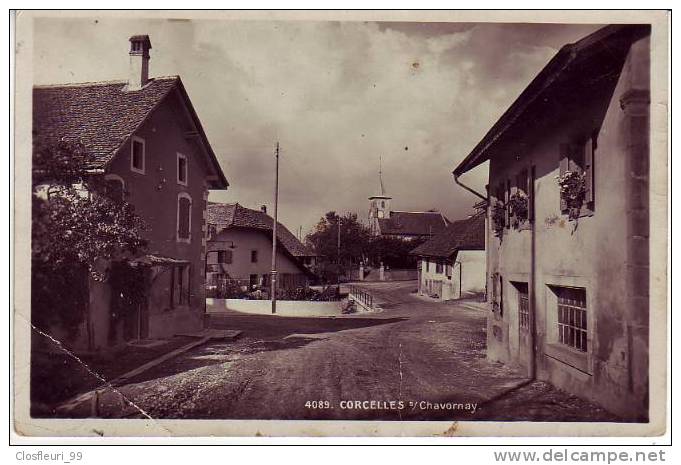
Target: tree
[
  {"x": 354, "y": 239},
  {"x": 393, "y": 252},
  {"x": 77, "y": 219}
]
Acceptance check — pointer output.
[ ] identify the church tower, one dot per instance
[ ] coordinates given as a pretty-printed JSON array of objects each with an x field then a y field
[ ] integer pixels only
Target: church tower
[{"x": 379, "y": 204}]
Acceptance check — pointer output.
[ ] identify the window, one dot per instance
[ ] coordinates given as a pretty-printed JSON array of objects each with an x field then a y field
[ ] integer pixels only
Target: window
[
  {"x": 254, "y": 256},
  {"x": 572, "y": 321},
  {"x": 523, "y": 306},
  {"x": 427, "y": 265},
  {"x": 579, "y": 158},
  {"x": 180, "y": 280},
  {"x": 439, "y": 267},
  {"x": 253, "y": 280},
  {"x": 523, "y": 189},
  {"x": 225, "y": 256},
  {"x": 114, "y": 187},
  {"x": 212, "y": 231},
  {"x": 184, "y": 219},
  {"x": 137, "y": 155},
  {"x": 181, "y": 169}
]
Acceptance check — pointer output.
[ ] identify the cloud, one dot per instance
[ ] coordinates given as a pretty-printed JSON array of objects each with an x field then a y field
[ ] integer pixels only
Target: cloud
[{"x": 335, "y": 94}]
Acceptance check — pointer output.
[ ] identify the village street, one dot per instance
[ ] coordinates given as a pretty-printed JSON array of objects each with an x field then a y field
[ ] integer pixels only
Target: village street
[{"x": 417, "y": 359}]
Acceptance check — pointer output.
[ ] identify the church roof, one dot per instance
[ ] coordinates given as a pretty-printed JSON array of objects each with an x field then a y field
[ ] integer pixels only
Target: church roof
[{"x": 401, "y": 223}]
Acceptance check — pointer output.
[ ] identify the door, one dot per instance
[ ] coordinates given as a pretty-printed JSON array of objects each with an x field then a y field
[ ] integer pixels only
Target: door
[
  {"x": 524, "y": 325},
  {"x": 129, "y": 316}
]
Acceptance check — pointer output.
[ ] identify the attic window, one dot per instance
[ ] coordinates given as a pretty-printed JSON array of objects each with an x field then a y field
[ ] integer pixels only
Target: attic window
[{"x": 137, "y": 155}]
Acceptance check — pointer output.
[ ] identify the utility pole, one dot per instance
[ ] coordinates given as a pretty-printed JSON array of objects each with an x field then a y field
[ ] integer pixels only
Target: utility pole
[
  {"x": 338, "y": 255},
  {"x": 273, "y": 283}
]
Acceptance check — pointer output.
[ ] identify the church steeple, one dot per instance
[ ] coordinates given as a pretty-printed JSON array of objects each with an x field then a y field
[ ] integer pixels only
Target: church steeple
[
  {"x": 380, "y": 175},
  {"x": 379, "y": 204}
]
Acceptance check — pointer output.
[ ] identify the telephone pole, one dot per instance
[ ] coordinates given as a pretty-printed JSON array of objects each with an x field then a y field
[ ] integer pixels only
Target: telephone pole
[
  {"x": 273, "y": 283},
  {"x": 338, "y": 248}
]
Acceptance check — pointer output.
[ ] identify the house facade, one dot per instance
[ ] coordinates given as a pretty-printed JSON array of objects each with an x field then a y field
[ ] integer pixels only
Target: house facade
[
  {"x": 150, "y": 146},
  {"x": 452, "y": 265},
  {"x": 240, "y": 250},
  {"x": 567, "y": 258}
]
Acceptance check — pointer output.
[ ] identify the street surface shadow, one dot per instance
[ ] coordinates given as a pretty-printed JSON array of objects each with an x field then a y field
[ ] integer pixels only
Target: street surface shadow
[
  {"x": 216, "y": 353},
  {"x": 275, "y": 327},
  {"x": 260, "y": 333}
]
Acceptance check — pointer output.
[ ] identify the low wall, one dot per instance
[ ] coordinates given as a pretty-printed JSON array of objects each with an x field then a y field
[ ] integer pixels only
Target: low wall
[
  {"x": 264, "y": 307},
  {"x": 374, "y": 274}
]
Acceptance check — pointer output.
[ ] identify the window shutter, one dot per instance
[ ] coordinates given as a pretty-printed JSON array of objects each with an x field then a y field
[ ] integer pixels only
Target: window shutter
[
  {"x": 588, "y": 170},
  {"x": 501, "y": 296},
  {"x": 183, "y": 226},
  {"x": 530, "y": 195},
  {"x": 507, "y": 197},
  {"x": 564, "y": 158},
  {"x": 564, "y": 162}
]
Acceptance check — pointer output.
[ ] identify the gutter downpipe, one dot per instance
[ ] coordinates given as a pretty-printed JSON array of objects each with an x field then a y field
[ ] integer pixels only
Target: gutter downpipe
[
  {"x": 456, "y": 180},
  {"x": 531, "y": 291}
]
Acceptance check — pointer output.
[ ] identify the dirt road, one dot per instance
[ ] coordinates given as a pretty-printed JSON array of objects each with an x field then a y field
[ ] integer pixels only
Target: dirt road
[{"x": 416, "y": 360}]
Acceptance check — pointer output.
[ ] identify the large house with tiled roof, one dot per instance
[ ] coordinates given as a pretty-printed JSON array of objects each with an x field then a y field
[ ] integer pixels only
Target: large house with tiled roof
[
  {"x": 452, "y": 264},
  {"x": 568, "y": 264},
  {"x": 240, "y": 249},
  {"x": 148, "y": 142}
]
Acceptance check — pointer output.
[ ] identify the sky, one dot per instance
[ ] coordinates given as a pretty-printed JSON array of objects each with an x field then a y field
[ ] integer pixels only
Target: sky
[{"x": 336, "y": 95}]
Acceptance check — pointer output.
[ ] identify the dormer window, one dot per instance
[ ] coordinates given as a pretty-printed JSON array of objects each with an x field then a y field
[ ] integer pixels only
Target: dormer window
[
  {"x": 182, "y": 169},
  {"x": 137, "y": 155}
]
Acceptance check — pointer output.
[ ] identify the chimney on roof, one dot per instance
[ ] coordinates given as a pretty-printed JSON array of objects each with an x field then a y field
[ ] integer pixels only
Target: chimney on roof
[
  {"x": 264, "y": 209},
  {"x": 139, "y": 62}
]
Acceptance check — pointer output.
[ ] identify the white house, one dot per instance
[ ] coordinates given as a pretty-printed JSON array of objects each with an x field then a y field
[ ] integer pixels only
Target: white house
[{"x": 452, "y": 264}]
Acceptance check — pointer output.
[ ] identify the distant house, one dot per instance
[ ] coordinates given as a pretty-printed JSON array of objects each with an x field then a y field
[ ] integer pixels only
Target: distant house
[
  {"x": 240, "y": 249},
  {"x": 452, "y": 263},
  {"x": 567, "y": 264},
  {"x": 151, "y": 147}
]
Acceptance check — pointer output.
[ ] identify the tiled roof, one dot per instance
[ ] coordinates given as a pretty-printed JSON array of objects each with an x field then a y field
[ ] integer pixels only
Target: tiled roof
[
  {"x": 468, "y": 234},
  {"x": 413, "y": 223},
  {"x": 99, "y": 114},
  {"x": 233, "y": 215},
  {"x": 103, "y": 115}
]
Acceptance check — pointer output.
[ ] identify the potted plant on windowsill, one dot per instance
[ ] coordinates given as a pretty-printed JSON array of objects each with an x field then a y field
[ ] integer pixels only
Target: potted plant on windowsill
[
  {"x": 572, "y": 192},
  {"x": 518, "y": 209},
  {"x": 498, "y": 218}
]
